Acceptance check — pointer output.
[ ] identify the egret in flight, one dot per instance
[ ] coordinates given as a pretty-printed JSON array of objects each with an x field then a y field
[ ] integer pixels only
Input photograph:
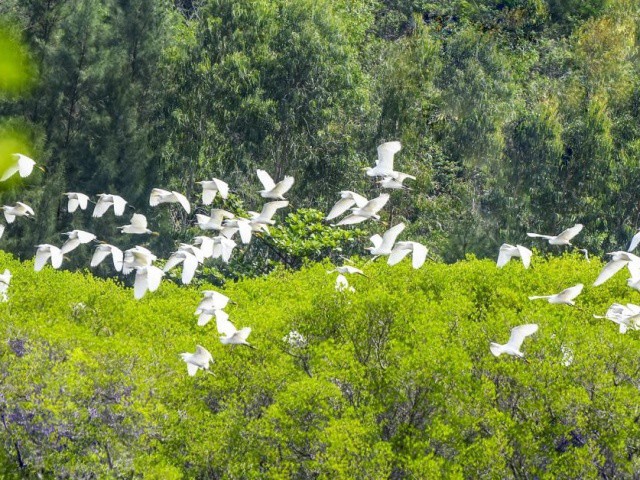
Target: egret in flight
[
  {"x": 22, "y": 164},
  {"x": 370, "y": 210},
  {"x": 76, "y": 238},
  {"x": 231, "y": 335},
  {"x": 563, "y": 238},
  {"x": 103, "y": 250},
  {"x": 384, "y": 163},
  {"x": 159, "y": 196},
  {"x": 565, "y": 297},
  {"x": 76, "y": 200},
  {"x": 45, "y": 252},
  {"x": 348, "y": 199},
  {"x": 507, "y": 252},
  {"x": 18, "y": 210},
  {"x": 198, "y": 360},
  {"x": 271, "y": 189},
  {"x": 105, "y": 201},
  {"x": 618, "y": 261},
  {"x": 212, "y": 187},
  {"x": 512, "y": 347}
]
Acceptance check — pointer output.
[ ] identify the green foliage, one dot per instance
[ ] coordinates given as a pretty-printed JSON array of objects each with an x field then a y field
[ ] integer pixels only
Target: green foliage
[{"x": 395, "y": 380}]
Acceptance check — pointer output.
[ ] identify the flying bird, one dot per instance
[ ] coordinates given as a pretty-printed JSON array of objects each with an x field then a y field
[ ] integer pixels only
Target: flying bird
[
  {"x": 384, "y": 245},
  {"x": 159, "y": 196},
  {"x": 223, "y": 248},
  {"x": 507, "y": 252},
  {"x": 347, "y": 270},
  {"x": 565, "y": 297},
  {"x": 45, "y": 252},
  {"x": 342, "y": 284},
  {"x": 618, "y": 261},
  {"x": 138, "y": 225},
  {"x": 626, "y": 316},
  {"x": 211, "y": 187},
  {"x": 103, "y": 250},
  {"x": 213, "y": 222},
  {"x": 402, "y": 249},
  {"x": 212, "y": 305},
  {"x": 76, "y": 200},
  {"x": 271, "y": 189},
  {"x": 563, "y": 238},
  {"x": 198, "y": 360},
  {"x": 105, "y": 201},
  {"x": 265, "y": 217},
  {"x": 189, "y": 259},
  {"x": 231, "y": 335},
  {"x": 18, "y": 210},
  {"x": 512, "y": 347},
  {"x": 369, "y": 211},
  {"x": 137, "y": 257},
  {"x": 348, "y": 199},
  {"x": 22, "y": 164},
  {"x": 395, "y": 183},
  {"x": 76, "y": 238},
  {"x": 384, "y": 163},
  {"x": 147, "y": 278}
]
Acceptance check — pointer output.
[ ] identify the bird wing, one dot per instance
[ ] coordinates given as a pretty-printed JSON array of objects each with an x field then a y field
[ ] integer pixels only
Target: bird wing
[
  {"x": 140, "y": 283},
  {"x": 537, "y": 235},
  {"x": 208, "y": 195},
  {"x": 397, "y": 254},
  {"x": 609, "y": 270},
  {"x": 506, "y": 252},
  {"x": 154, "y": 277},
  {"x": 2, "y": 227},
  {"x": 85, "y": 237},
  {"x": 266, "y": 180},
  {"x": 100, "y": 253},
  {"x": 191, "y": 369},
  {"x": 117, "y": 256},
  {"x": 203, "y": 354},
  {"x": 174, "y": 260},
  {"x": 83, "y": 200},
  {"x": 222, "y": 187},
  {"x": 102, "y": 205},
  {"x": 571, "y": 292},
  {"x": 227, "y": 249},
  {"x": 386, "y": 151},
  {"x": 569, "y": 233},
  {"x": 9, "y": 172},
  {"x": 139, "y": 221},
  {"x": 206, "y": 245},
  {"x": 225, "y": 327},
  {"x": 70, "y": 245},
  {"x": 157, "y": 195},
  {"x": 525, "y": 254},
  {"x": 243, "y": 333},
  {"x": 269, "y": 209},
  {"x": 118, "y": 205},
  {"x": 376, "y": 240},
  {"x": 351, "y": 220},
  {"x": 284, "y": 185},
  {"x": 351, "y": 270},
  {"x": 634, "y": 242},
  {"x": 73, "y": 204},
  {"x": 340, "y": 207},
  {"x": 189, "y": 268},
  {"x": 182, "y": 200},
  {"x": 419, "y": 254},
  {"x": 42, "y": 255},
  {"x": 25, "y": 165},
  {"x": 359, "y": 199},
  {"x": 219, "y": 300},
  {"x": 56, "y": 257},
  {"x": 245, "y": 231},
  {"x": 634, "y": 269},
  {"x": 375, "y": 205},
  {"x": 518, "y": 334},
  {"x": 389, "y": 237}
]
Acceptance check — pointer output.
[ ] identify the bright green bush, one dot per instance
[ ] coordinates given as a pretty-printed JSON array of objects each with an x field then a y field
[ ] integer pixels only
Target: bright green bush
[{"x": 396, "y": 379}]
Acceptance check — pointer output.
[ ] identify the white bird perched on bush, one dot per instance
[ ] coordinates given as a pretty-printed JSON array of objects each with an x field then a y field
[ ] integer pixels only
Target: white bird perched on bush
[
  {"x": 619, "y": 260},
  {"x": 137, "y": 257},
  {"x": 138, "y": 226},
  {"x": 76, "y": 238},
  {"x": 402, "y": 249},
  {"x": 213, "y": 222},
  {"x": 384, "y": 245},
  {"x": 5, "y": 280},
  {"x": 105, "y": 201},
  {"x": 45, "y": 252},
  {"x": 342, "y": 284},
  {"x": 507, "y": 252},
  {"x": 147, "y": 278},
  {"x": 76, "y": 200},
  {"x": 189, "y": 257},
  {"x": 370, "y": 210},
  {"x": 211, "y": 187},
  {"x": 103, "y": 250},
  {"x": 384, "y": 163},
  {"x": 565, "y": 297},
  {"x": 18, "y": 210},
  {"x": 295, "y": 339},
  {"x": 271, "y": 189},
  {"x": 626, "y": 316},
  {"x": 212, "y": 305},
  {"x": 159, "y": 196},
  {"x": 20, "y": 163},
  {"x": 395, "y": 183},
  {"x": 196, "y": 361},
  {"x": 348, "y": 200},
  {"x": 231, "y": 335},
  {"x": 563, "y": 238},
  {"x": 512, "y": 347}
]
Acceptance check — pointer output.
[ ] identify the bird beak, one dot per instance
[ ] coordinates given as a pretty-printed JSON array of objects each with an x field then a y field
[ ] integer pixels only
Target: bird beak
[
  {"x": 155, "y": 234},
  {"x": 42, "y": 168}
]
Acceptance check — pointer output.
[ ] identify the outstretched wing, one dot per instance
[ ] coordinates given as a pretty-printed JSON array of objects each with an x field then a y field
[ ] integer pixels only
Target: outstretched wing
[
  {"x": 139, "y": 221},
  {"x": 419, "y": 254},
  {"x": 609, "y": 270},
  {"x": 222, "y": 187},
  {"x": 569, "y": 233},
  {"x": 386, "y": 151},
  {"x": 118, "y": 205},
  {"x": 182, "y": 200},
  {"x": 506, "y": 252},
  {"x": 340, "y": 207},
  {"x": 525, "y": 254},
  {"x": 375, "y": 205},
  {"x": 518, "y": 334},
  {"x": 634, "y": 242},
  {"x": 269, "y": 209},
  {"x": 266, "y": 180},
  {"x": 397, "y": 254},
  {"x": 389, "y": 237},
  {"x": 571, "y": 292}
]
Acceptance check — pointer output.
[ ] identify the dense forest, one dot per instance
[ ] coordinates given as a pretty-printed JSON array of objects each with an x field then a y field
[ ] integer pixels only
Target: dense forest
[{"x": 513, "y": 115}]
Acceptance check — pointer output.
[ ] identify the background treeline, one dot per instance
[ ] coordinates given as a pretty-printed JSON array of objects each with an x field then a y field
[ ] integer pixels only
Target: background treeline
[
  {"x": 514, "y": 114},
  {"x": 395, "y": 380}
]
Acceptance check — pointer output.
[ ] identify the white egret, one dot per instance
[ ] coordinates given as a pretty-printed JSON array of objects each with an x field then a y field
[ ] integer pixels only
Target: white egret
[
  {"x": 138, "y": 226},
  {"x": 562, "y": 238},
  {"x": 21, "y": 163},
  {"x": 233, "y": 225},
  {"x": 18, "y": 210},
  {"x": 618, "y": 261},
  {"x": 5, "y": 280},
  {"x": 213, "y": 222},
  {"x": 384, "y": 245},
  {"x": 45, "y": 252},
  {"x": 348, "y": 270},
  {"x": 211, "y": 305},
  {"x": 223, "y": 248},
  {"x": 370, "y": 210},
  {"x": 159, "y": 196},
  {"x": 507, "y": 252},
  {"x": 76, "y": 200},
  {"x": 198, "y": 360},
  {"x": 384, "y": 163},
  {"x": 565, "y": 297},
  {"x": 348, "y": 200},
  {"x": 342, "y": 284},
  {"x": 105, "y": 201},
  {"x": 231, "y": 335},
  {"x": 103, "y": 250},
  {"x": 512, "y": 347},
  {"x": 205, "y": 244},
  {"x": 211, "y": 187},
  {"x": 147, "y": 278},
  {"x": 271, "y": 189},
  {"x": 395, "y": 183},
  {"x": 76, "y": 238},
  {"x": 626, "y": 316},
  {"x": 137, "y": 257},
  {"x": 265, "y": 217},
  {"x": 402, "y": 249},
  {"x": 189, "y": 262}
]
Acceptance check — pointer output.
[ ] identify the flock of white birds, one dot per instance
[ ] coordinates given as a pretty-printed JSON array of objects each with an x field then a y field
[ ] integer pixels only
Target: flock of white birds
[{"x": 148, "y": 277}]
